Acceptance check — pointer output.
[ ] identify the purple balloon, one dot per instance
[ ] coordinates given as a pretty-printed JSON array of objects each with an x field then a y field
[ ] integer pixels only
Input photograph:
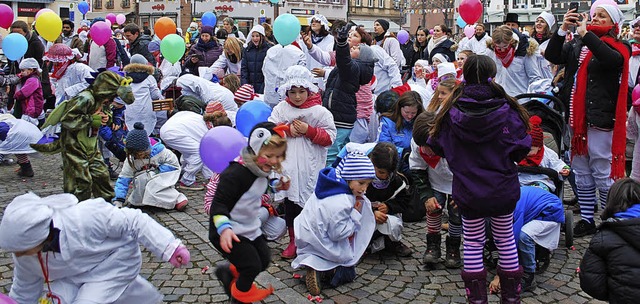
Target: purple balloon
[
  {"x": 111, "y": 17},
  {"x": 403, "y": 36},
  {"x": 219, "y": 146},
  {"x": 5, "y": 299}
]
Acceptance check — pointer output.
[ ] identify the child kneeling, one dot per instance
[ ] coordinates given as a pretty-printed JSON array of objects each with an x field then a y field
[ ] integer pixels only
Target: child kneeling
[
  {"x": 336, "y": 224},
  {"x": 154, "y": 171}
]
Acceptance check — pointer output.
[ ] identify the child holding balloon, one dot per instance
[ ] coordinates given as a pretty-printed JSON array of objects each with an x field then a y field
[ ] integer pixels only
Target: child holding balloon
[
  {"x": 312, "y": 131},
  {"x": 234, "y": 228}
]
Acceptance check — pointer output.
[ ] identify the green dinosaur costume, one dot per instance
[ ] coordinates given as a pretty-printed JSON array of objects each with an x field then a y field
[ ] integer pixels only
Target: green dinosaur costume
[{"x": 85, "y": 172}]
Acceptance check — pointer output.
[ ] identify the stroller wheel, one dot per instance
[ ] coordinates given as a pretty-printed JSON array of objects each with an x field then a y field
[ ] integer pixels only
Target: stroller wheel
[{"x": 568, "y": 228}]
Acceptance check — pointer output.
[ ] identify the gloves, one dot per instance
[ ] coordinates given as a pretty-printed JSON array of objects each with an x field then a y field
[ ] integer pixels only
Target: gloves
[
  {"x": 180, "y": 257},
  {"x": 343, "y": 34},
  {"x": 96, "y": 121}
]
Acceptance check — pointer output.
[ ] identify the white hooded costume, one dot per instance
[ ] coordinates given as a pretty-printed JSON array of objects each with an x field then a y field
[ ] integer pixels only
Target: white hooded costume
[{"x": 207, "y": 91}]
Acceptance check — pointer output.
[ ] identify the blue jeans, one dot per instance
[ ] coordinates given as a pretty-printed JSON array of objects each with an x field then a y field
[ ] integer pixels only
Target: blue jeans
[
  {"x": 527, "y": 252},
  {"x": 342, "y": 138}
]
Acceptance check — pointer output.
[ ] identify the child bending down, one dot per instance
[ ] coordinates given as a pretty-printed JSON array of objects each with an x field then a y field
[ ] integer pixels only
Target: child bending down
[
  {"x": 234, "y": 228},
  {"x": 154, "y": 171},
  {"x": 482, "y": 132},
  {"x": 336, "y": 224}
]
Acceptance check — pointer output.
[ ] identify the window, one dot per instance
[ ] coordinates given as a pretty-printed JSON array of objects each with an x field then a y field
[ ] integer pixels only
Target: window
[
  {"x": 370, "y": 4},
  {"x": 381, "y": 3},
  {"x": 125, "y": 4},
  {"x": 109, "y": 4},
  {"x": 97, "y": 4},
  {"x": 322, "y": 1},
  {"x": 520, "y": 4},
  {"x": 336, "y": 1},
  {"x": 64, "y": 12},
  {"x": 539, "y": 2},
  {"x": 358, "y": 2}
]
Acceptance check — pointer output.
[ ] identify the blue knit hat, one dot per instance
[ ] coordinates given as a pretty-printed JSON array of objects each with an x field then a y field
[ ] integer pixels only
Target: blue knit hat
[
  {"x": 355, "y": 166},
  {"x": 137, "y": 139}
]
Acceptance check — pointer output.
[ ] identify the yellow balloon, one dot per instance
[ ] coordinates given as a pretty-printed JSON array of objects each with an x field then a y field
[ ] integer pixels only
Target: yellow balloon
[{"x": 49, "y": 26}]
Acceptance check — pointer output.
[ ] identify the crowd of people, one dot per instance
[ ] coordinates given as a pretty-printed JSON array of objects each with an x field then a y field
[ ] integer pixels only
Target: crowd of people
[{"x": 365, "y": 133}]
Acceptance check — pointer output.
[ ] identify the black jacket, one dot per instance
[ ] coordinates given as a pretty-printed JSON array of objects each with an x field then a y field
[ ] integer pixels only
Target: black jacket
[
  {"x": 417, "y": 54},
  {"x": 251, "y": 66},
  {"x": 141, "y": 46},
  {"x": 443, "y": 48},
  {"x": 610, "y": 267},
  {"x": 396, "y": 196},
  {"x": 603, "y": 75},
  {"x": 342, "y": 84}
]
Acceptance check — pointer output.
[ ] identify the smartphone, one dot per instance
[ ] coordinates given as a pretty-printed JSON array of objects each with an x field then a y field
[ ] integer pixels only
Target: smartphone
[{"x": 574, "y": 6}]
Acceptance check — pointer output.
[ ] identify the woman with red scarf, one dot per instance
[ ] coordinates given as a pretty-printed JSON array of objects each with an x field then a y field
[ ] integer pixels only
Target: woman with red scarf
[{"x": 597, "y": 60}]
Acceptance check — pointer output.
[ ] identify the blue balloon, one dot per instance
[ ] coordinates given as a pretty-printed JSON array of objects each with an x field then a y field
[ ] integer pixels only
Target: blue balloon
[
  {"x": 14, "y": 46},
  {"x": 83, "y": 7},
  {"x": 286, "y": 28},
  {"x": 274, "y": 1},
  {"x": 250, "y": 114},
  {"x": 460, "y": 22},
  {"x": 209, "y": 19}
]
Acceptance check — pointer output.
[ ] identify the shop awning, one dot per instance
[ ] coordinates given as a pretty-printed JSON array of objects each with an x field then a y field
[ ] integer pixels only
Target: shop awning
[
  {"x": 304, "y": 20},
  {"x": 368, "y": 25}
]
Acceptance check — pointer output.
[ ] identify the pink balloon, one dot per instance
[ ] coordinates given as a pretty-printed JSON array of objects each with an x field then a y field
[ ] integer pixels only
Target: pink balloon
[
  {"x": 42, "y": 11},
  {"x": 6, "y": 16},
  {"x": 108, "y": 22},
  {"x": 431, "y": 31},
  {"x": 111, "y": 17},
  {"x": 469, "y": 31},
  {"x": 470, "y": 11},
  {"x": 595, "y": 4},
  {"x": 635, "y": 94},
  {"x": 121, "y": 19},
  {"x": 5, "y": 299},
  {"x": 100, "y": 32}
]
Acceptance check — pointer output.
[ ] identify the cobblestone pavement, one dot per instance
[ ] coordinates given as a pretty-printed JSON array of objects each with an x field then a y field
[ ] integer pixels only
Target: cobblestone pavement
[{"x": 381, "y": 279}]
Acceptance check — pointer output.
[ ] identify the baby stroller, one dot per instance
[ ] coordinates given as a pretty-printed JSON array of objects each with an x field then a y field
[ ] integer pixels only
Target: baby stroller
[{"x": 552, "y": 111}]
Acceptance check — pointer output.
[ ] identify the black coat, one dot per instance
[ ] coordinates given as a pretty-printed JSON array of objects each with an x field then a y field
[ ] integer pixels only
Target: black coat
[
  {"x": 396, "y": 196},
  {"x": 603, "y": 75},
  {"x": 417, "y": 54},
  {"x": 443, "y": 48},
  {"x": 251, "y": 66},
  {"x": 342, "y": 84},
  {"x": 610, "y": 267}
]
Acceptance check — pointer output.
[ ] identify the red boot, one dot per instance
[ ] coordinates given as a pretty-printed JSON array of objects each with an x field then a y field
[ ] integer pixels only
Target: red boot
[
  {"x": 290, "y": 251},
  {"x": 254, "y": 294}
]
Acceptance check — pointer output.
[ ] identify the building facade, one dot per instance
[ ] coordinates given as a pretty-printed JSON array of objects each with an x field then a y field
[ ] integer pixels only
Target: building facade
[{"x": 365, "y": 12}]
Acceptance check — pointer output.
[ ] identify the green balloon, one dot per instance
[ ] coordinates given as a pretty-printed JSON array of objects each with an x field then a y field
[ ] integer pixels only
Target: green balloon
[{"x": 172, "y": 48}]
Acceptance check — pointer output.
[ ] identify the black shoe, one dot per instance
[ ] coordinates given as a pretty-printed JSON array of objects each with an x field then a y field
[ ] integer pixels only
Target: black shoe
[
  {"x": 399, "y": 249},
  {"x": 223, "y": 273},
  {"x": 571, "y": 202},
  {"x": 452, "y": 259},
  {"x": 584, "y": 227},
  {"x": 433, "y": 253},
  {"x": 25, "y": 170},
  {"x": 529, "y": 281},
  {"x": 113, "y": 175}
]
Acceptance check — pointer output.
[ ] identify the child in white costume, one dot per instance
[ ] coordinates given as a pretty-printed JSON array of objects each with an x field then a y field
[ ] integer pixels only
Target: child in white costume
[
  {"x": 154, "y": 171},
  {"x": 145, "y": 90},
  {"x": 336, "y": 224},
  {"x": 312, "y": 131},
  {"x": 90, "y": 250}
]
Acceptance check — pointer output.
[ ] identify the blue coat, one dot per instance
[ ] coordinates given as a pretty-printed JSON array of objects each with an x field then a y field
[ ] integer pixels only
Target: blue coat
[
  {"x": 389, "y": 133},
  {"x": 536, "y": 204},
  {"x": 251, "y": 70}
]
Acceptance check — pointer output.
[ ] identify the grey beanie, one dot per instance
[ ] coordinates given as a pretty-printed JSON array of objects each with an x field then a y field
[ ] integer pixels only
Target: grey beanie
[
  {"x": 137, "y": 139},
  {"x": 366, "y": 54},
  {"x": 137, "y": 58}
]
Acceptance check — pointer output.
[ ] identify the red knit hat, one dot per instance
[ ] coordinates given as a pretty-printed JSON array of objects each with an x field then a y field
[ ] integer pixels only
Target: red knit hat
[
  {"x": 244, "y": 93},
  {"x": 214, "y": 106},
  {"x": 537, "y": 137},
  {"x": 402, "y": 89}
]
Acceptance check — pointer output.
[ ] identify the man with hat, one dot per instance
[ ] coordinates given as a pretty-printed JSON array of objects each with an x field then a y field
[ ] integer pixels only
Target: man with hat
[{"x": 512, "y": 21}]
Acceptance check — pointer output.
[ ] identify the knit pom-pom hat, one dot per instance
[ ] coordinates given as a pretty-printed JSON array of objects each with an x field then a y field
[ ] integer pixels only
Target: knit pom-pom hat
[
  {"x": 355, "y": 166},
  {"x": 137, "y": 139},
  {"x": 537, "y": 137}
]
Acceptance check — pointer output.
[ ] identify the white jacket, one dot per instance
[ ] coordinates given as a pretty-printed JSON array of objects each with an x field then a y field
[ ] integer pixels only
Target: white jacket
[
  {"x": 141, "y": 110},
  {"x": 183, "y": 125},
  {"x": 207, "y": 91},
  {"x": 550, "y": 160},
  {"x": 72, "y": 82},
  {"x": 440, "y": 177},
  {"x": 386, "y": 71},
  {"x": 325, "y": 45},
  {"x": 169, "y": 73},
  {"x": 522, "y": 71},
  {"x": 634, "y": 66},
  {"x": 276, "y": 62},
  {"x": 478, "y": 47},
  {"x": 21, "y": 134},
  {"x": 100, "y": 252},
  {"x": 392, "y": 47},
  {"x": 223, "y": 66},
  {"x": 304, "y": 158}
]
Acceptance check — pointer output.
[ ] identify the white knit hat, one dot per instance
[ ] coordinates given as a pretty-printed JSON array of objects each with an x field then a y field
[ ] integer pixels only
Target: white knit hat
[
  {"x": 421, "y": 62},
  {"x": 26, "y": 220},
  {"x": 355, "y": 166},
  {"x": 297, "y": 76},
  {"x": 446, "y": 68},
  {"x": 30, "y": 63},
  {"x": 615, "y": 13},
  {"x": 256, "y": 28},
  {"x": 440, "y": 57},
  {"x": 194, "y": 25},
  {"x": 548, "y": 18}
]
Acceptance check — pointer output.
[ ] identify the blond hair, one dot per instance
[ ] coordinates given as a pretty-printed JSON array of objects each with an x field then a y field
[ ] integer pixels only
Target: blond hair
[
  {"x": 504, "y": 33},
  {"x": 275, "y": 142},
  {"x": 233, "y": 46}
]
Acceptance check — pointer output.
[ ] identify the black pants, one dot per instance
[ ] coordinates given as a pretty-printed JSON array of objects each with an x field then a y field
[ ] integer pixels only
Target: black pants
[
  {"x": 249, "y": 257},
  {"x": 291, "y": 211}
]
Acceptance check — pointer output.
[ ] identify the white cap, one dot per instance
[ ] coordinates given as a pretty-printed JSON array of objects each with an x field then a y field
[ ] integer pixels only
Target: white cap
[
  {"x": 548, "y": 18},
  {"x": 256, "y": 28},
  {"x": 297, "y": 76},
  {"x": 30, "y": 63},
  {"x": 615, "y": 13},
  {"x": 446, "y": 68}
]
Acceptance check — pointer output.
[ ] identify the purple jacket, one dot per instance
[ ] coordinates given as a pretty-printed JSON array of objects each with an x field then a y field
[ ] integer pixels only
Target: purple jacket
[
  {"x": 482, "y": 138},
  {"x": 30, "y": 95}
]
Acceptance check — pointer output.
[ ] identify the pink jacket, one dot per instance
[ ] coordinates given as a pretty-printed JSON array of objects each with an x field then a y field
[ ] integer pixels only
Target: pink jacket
[{"x": 30, "y": 95}]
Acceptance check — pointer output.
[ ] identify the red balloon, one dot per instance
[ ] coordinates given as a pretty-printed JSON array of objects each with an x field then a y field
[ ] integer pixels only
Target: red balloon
[
  {"x": 164, "y": 26},
  {"x": 635, "y": 94},
  {"x": 470, "y": 10}
]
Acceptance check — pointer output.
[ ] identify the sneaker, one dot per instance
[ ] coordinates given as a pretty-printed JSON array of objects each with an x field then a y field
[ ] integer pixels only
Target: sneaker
[
  {"x": 182, "y": 205},
  {"x": 192, "y": 187},
  {"x": 584, "y": 227}
]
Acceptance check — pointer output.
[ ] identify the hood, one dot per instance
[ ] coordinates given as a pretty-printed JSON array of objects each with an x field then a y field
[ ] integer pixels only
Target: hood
[
  {"x": 141, "y": 38},
  {"x": 366, "y": 71},
  {"x": 479, "y": 115},
  {"x": 138, "y": 67},
  {"x": 627, "y": 229},
  {"x": 329, "y": 184},
  {"x": 138, "y": 77},
  {"x": 157, "y": 147}
]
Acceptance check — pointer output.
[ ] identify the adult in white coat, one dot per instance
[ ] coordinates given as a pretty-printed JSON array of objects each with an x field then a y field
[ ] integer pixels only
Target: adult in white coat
[
  {"x": 386, "y": 71},
  {"x": 230, "y": 61},
  {"x": 183, "y": 132},
  {"x": 478, "y": 43},
  {"x": 279, "y": 58},
  {"x": 388, "y": 41},
  {"x": 207, "y": 91},
  {"x": 145, "y": 90},
  {"x": 87, "y": 252}
]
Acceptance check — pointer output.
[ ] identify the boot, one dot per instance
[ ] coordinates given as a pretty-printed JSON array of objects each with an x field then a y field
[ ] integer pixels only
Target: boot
[
  {"x": 224, "y": 275},
  {"x": 313, "y": 281},
  {"x": 529, "y": 281},
  {"x": 452, "y": 259},
  {"x": 290, "y": 251},
  {"x": 432, "y": 255},
  {"x": 25, "y": 170},
  {"x": 254, "y": 294},
  {"x": 475, "y": 284},
  {"x": 510, "y": 285}
]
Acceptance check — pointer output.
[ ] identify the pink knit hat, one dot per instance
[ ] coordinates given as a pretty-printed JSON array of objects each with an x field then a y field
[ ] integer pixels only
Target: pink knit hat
[
  {"x": 244, "y": 93},
  {"x": 214, "y": 106}
]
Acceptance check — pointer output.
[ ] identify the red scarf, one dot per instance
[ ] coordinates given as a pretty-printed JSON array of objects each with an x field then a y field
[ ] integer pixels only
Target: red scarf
[
  {"x": 432, "y": 161},
  {"x": 635, "y": 49},
  {"x": 579, "y": 140},
  {"x": 533, "y": 160},
  {"x": 313, "y": 100},
  {"x": 506, "y": 57},
  {"x": 60, "y": 69}
]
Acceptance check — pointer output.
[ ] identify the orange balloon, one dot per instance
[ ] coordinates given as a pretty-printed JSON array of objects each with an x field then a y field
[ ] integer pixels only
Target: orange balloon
[{"x": 164, "y": 26}]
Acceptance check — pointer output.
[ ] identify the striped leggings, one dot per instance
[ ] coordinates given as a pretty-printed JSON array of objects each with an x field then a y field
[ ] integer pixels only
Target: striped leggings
[{"x": 475, "y": 237}]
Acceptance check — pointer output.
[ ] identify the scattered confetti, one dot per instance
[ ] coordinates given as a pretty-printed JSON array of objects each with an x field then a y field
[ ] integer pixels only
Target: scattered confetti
[
  {"x": 205, "y": 269},
  {"x": 578, "y": 270},
  {"x": 310, "y": 297},
  {"x": 297, "y": 276},
  {"x": 318, "y": 299},
  {"x": 573, "y": 247}
]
